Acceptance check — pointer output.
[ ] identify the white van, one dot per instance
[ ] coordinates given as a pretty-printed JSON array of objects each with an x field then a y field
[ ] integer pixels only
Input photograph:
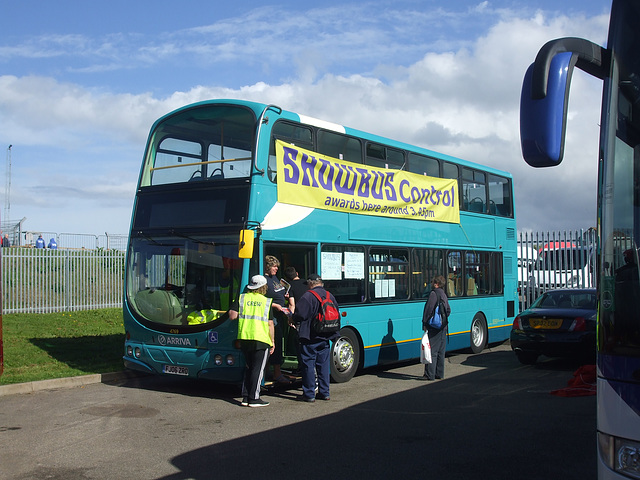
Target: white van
[{"x": 563, "y": 266}]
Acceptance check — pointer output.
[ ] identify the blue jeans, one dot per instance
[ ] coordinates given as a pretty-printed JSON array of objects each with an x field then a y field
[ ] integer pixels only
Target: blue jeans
[{"x": 315, "y": 359}]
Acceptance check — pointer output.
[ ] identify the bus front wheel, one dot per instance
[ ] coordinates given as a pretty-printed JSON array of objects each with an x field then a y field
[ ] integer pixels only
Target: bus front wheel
[
  {"x": 345, "y": 356},
  {"x": 479, "y": 333}
]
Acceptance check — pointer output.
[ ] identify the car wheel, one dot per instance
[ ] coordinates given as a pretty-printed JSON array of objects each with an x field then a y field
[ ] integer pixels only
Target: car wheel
[
  {"x": 478, "y": 333},
  {"x": 345, "y": 356},
  {"x": 527, "y": 358}
]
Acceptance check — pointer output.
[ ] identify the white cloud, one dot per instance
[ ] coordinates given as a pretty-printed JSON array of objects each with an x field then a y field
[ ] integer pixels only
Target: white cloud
[{"x": 462, "y": 100}]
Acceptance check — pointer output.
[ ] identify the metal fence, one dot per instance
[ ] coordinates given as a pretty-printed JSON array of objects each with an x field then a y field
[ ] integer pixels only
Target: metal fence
[
  {"x": 19, "y": 237},
  {"x": 76, "y": 240},
  {"x": 43, "y": 280},
  {"x": 548, "y": 260},
  {"x": 83, "y": 278}
]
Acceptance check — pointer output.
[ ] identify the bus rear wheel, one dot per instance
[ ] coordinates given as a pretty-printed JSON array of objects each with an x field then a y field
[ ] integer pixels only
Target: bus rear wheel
[
  {"x": 479, "y": 333},
  {"x": 345, "y": 356}
]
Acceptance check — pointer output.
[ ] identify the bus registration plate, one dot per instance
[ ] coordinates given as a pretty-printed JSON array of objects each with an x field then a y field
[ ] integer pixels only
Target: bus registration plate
[{"x": 175, "y": 370}]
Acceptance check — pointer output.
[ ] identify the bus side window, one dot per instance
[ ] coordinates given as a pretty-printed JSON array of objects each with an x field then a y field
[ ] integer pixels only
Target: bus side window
[
  {"x": 424, "y": 165},
  {"x": 339, "y": 146},
  {"x": 500, "y": 198},
  {"x": 295, "y": 134},
  {"x": 474, "y": 190}
]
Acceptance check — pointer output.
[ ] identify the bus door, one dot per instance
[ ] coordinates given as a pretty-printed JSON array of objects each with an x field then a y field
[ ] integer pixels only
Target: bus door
[{"x": 303, "y": 257}]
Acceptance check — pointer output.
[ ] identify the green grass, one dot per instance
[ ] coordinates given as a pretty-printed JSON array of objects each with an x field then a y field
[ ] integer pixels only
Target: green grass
[{"x": 42, "y": 346}]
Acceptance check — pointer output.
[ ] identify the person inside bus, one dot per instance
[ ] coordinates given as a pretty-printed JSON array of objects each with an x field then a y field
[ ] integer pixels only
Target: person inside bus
[
  {"x": 256, "y": 335},
  {"x": 437, "y": 337},
  {"x": 298, "y": 288},
  {"x": 277, "y": 292}
]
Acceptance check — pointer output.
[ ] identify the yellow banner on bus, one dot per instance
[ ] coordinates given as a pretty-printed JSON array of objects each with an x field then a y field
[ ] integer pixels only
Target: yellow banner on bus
[{"x": 308, "y": 179}]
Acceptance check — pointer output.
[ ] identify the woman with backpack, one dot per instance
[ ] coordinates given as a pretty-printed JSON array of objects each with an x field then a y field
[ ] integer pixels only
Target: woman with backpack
[{"x": 436, "y": 328}]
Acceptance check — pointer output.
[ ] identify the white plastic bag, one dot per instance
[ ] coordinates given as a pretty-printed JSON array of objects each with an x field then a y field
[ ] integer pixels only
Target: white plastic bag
[{"x": 425, "y": 349}]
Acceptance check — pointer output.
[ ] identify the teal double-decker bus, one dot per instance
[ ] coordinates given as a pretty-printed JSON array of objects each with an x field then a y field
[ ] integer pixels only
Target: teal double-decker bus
[{"x": 226, "y": 182}]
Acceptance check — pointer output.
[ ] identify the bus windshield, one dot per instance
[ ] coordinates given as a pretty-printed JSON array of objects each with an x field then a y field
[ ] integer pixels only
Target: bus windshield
[
  {"x": 206, "y": 143},
  {"x": 182, "y": 282}
]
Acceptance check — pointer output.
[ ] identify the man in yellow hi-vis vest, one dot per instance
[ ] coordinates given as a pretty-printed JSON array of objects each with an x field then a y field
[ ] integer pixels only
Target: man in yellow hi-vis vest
[{"x": 256, "y": 335}]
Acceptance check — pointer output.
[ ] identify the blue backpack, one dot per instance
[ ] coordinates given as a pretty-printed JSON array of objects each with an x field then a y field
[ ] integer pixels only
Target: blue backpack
[{"x": 439, "y": 317}]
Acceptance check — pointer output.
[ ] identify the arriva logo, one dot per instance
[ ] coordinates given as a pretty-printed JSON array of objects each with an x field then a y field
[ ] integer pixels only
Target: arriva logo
[{"x": 162, "y": 340}]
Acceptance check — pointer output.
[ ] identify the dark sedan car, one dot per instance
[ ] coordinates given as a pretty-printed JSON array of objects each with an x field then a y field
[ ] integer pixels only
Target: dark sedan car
[{"x": 559, "y": 323}]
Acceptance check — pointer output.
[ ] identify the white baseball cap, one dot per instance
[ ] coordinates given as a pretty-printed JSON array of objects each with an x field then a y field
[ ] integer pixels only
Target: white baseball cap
[{"x": 257, "y": 281}]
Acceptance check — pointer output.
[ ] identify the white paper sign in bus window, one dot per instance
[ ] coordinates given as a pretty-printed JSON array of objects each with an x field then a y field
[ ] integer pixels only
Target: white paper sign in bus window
[
  {"x": 331, "y": 266},
  {"x": 354, "y": 265}
]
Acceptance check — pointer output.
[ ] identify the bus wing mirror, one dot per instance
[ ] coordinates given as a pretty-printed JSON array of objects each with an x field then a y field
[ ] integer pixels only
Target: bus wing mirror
[
  {"x": 543, "y": 120},
  {"x": 545, "y": 96},
  {"x": 245, "y": 245}
]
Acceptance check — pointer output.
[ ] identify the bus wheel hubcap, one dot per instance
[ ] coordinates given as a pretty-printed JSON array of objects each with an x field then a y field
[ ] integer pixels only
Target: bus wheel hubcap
[
  {"x": 343, "y": 355},
  {"x": 477, "y": 334}
]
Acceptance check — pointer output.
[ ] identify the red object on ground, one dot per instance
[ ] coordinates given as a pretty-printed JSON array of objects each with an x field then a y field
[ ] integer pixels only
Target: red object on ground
[{"x": 582, "y": 384}]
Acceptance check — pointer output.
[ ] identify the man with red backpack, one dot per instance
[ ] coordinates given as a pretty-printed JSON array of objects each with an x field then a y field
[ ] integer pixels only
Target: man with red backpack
[{"x": 317, "y": 319}]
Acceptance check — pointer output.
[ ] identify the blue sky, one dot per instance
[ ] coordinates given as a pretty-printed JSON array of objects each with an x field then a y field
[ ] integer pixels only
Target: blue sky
[{"x": 82, "y": 82}]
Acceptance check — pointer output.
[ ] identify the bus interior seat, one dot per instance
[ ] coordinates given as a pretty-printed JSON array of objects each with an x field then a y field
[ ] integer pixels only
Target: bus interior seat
[
  {"x": 472, "y": 288},
  {"x": 159, "y": 306},
  {"x": 217, "y": 174},
  {"x": 476, "y": 205},
  {"x": 451, "y": 286}
]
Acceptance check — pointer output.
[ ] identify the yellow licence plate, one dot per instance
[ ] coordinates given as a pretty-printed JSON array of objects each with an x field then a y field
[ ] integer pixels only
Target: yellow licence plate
[{"x": 545, "y": 322}]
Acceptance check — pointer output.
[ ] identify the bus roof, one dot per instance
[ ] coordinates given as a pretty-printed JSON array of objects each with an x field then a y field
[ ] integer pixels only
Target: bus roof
[{"x": 258, "y": 108}]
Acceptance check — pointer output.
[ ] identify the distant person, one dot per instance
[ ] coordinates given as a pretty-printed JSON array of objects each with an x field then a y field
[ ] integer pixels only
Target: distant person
[
  {"x": 40, "y": 242},
  {"x": 5, "y": 240},
  {"x": 52, "y": 244},
  {"x": 437, "y": 336}
]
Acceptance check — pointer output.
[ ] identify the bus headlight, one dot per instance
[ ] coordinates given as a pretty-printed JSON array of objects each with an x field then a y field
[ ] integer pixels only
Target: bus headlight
[
  {"x": 129, "y": 351},
  {"x": 230, "y": 360},
  {"x": 137, "y": 352},
  {"x": 218, "y": 359},
  {"x": 620, "y": 455}
]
